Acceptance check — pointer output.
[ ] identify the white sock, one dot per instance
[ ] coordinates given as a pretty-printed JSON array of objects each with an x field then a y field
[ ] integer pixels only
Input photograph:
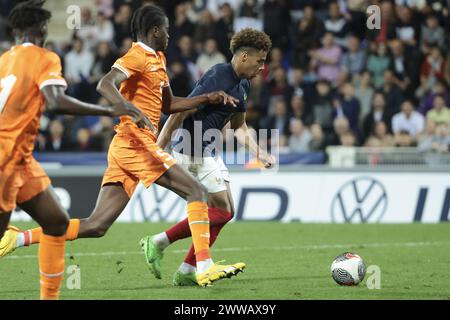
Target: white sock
[
  {"x": 161, "y": 240},
  {"x": 204, "y": 265},
  {"x": 186, "y": 268},
  {"x": 20, "y": 240}
]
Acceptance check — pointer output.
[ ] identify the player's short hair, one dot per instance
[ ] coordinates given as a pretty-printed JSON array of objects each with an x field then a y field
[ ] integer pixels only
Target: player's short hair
[
  {"x": 249, "y": 38},
  {"x": 145, "y": 18},
  {"x": 28, "y": 15}
]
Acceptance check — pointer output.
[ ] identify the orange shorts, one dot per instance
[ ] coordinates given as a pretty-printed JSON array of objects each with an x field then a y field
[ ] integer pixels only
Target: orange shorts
[
  {"x": 20, "y": 182},
  {"x": 133, "y": 158}
]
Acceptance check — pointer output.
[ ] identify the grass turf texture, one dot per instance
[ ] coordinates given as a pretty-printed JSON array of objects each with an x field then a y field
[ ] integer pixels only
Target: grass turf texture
[{"x": 284, "y": 261}]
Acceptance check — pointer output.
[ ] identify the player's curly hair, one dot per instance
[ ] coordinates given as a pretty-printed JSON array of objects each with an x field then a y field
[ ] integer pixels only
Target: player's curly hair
[
  {"x": 28, "y": 15},
  {"x": 145, "y": 18},
  {"x": 250, "y": 38}
]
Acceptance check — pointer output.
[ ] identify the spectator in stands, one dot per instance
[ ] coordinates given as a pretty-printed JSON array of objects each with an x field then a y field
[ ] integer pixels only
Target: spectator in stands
[
  {"x": 248, "y": 15},
  {"x": 106, "y": 7},
  {"x": 377, "y": 62},
  {"x": 348, "y": 139},
  {"x": 275, "y": 11},
  {"x": 433, "y": 68},
  {"x": 278, "y": 87},
  {"x": 322, "y": 110},
  {"x": 122, "y": 20},
  {"x": 85, "y": 142},
  {"x": 337, "y": 24},
  {"x": 378, "y": 113},
  {"x": 327, "y": 58},
  {"x": 380, "y": 136},
  {"x": 298, "y": 110},
  {"x": 55, "y": 140},
  {"x": 306, "y": 35},
  {"x": 103, "y": 132},
  {"x": 340, "y": 126},
  {"x": 348, "y": 106},
  {"x": 354, "y": 60},
  {"x": 407, "y": 28},
  {"x": 300, "y": 137},
  {"x": 406, "y": 71},
  {"x": 204, "y": 29},
  {"x": 300, "y": 87},
  {"x": 126, "y": 45},
  {"x": 392, "y": 92},
  {"x": 364, "y": 92},
  {"x": 224, "y": 29},
  {"x": 317, "y": 138},
  {"x": 104, "y": 28},
  {"x": 427, "y": 102},
  {"x": 408, "y": 121},
  {"x": 77, "y": 68},
  {"x": 180, "y": 79},
  {"x": 77, "y": 63},
  {"x": 440, "y": 112},
  {"x": 432, "y": 34},
  {"x": 87, "y": 31},
  {"x": 210, "y": 57},
  {"x": 279, "y": 120},
  {"x": 181, "y": 27},
  {"x": 103, "y": 61},
  {"x": 439, "y": 142}
]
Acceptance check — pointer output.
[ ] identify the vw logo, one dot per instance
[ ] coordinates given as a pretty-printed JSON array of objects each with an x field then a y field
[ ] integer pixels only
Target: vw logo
[{"x": 363, "y": 199}]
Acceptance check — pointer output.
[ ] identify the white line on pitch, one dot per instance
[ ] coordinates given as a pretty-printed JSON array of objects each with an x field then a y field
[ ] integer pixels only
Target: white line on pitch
[{"x": 307, "y": 247}]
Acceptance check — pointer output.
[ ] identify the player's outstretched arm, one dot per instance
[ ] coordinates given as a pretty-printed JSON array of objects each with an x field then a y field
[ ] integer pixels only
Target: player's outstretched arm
[
  {"x": 244, "y": 137},
  {"x": 173, "y": 123},
  {"x": 58, "y": 102},
  {"x": 173, "y": 104},
  {"x": 108, "y": 87}
]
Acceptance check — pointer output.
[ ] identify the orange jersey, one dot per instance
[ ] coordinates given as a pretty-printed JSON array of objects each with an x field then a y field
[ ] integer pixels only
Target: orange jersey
[
  {"x": 146, "y": 72},
  {"x": 24, "y": 70}
]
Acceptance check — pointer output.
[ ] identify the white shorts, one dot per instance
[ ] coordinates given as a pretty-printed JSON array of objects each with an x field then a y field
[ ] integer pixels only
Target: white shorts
[{"x": 211, "y": 172}]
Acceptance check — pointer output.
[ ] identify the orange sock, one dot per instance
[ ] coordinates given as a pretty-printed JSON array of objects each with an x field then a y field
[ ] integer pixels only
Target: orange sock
[
  {"x": 199, "y": 224},
  {"x": 33, "y": 236},
  {"x": 51, "y": 265}
]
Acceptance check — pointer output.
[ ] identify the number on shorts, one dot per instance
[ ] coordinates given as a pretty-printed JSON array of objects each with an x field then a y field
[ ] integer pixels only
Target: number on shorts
[{"x": 6, "y": 85}]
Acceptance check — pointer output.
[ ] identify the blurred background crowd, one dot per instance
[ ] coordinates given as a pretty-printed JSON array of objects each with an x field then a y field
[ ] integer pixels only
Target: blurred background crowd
[{"x": 329, "y": 79}]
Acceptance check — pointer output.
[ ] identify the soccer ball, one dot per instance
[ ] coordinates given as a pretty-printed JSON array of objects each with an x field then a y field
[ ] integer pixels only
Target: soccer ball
[{"x": 348, "y": 269}]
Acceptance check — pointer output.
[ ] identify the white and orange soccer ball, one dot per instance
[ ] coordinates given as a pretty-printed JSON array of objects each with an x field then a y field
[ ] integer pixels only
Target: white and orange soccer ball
[{"x": 348, "y": 269}]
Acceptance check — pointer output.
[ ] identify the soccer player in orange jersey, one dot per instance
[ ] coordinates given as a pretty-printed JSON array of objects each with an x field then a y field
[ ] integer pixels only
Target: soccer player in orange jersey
[
  {"x": 30, "y": 77},
  {"x": 140, "y": 78}
]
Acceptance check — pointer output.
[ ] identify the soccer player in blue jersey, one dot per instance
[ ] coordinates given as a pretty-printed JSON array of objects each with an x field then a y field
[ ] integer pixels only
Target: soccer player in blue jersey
[{"x": 250, "y": 48}]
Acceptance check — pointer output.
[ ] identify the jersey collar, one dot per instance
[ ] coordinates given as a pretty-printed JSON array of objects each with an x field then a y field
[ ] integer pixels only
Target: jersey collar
[{"x": 146, "y": 47}]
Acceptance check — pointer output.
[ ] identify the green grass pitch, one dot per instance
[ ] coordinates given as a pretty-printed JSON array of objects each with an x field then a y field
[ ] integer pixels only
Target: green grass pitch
[{"x": 284, "y": 261}]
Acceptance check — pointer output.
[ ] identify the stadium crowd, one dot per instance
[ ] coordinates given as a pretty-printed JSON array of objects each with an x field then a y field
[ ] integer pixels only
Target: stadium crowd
[{"x": 329, "y": 79}]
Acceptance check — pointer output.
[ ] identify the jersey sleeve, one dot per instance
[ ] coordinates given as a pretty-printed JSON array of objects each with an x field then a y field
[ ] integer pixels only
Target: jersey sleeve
[
  {"x": 131, "y": 63},
  {"x": 50, "y": 72},
  {"x": 208, "y": 83}
]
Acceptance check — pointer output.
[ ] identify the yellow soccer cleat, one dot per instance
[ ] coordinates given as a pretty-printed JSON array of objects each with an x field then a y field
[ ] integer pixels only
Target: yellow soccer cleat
[
  {"x": 217, "y": 272},
  {"x": 9, "y": 240}
]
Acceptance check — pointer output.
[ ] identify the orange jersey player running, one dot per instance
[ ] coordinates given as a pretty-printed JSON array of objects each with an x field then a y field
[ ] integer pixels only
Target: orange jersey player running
[
  {"x": 30, "y": 77},
  {"x": 134, "y": 155}
]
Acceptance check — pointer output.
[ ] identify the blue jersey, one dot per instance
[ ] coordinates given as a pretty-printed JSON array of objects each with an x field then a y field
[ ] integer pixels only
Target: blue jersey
[{"x": 212, "y": 116}]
